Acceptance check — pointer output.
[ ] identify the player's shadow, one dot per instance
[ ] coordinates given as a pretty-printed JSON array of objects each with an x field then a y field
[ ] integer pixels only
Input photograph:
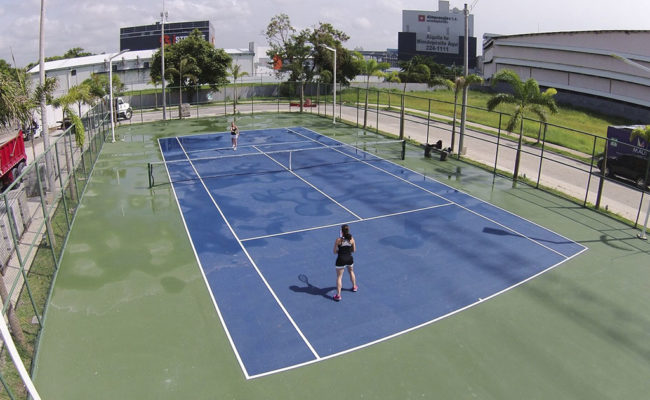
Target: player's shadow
[{"x": 311, "y": 289}]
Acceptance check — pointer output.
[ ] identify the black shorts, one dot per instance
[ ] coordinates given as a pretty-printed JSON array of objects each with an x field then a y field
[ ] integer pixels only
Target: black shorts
[{"x": 343, "y": 261}]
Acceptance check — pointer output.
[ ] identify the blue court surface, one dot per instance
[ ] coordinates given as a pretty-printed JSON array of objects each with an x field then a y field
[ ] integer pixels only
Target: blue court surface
[{"x": 263, "y": 221}]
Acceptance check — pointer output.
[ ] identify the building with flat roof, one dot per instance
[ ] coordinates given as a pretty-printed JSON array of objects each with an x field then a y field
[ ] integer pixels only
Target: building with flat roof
[
  {"x": 607, "y": 70},
  {"x": 438, "y": 34},
  {"x": 146, "y": 37}
]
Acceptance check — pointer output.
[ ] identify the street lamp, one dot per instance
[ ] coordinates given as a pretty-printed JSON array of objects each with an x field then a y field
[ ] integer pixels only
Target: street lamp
[
  {"x": 163, "y": 16},
  {"x": 110, "y": 85},
  {"x": 333, "y": 105}
]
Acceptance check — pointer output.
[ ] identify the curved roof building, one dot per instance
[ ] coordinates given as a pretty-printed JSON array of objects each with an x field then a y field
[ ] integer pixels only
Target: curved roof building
[{"x": 595, "y": 65}]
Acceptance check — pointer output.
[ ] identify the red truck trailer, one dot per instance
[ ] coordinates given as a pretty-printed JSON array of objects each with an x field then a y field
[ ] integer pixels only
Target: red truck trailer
[{"x": 13, "y": 159}]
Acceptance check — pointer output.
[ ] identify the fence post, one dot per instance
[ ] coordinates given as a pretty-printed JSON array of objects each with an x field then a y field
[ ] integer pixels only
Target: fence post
[
  {"x": 377, "y": 110},
  {"x": 602, "y": 176},
  {"x": 357, "y": 106},
  {"x": 496, "y": 154},
  {"x": 428, "y": 120},
  {"x": 401, "y": 118},
  {"x": 541, "y": 156}
]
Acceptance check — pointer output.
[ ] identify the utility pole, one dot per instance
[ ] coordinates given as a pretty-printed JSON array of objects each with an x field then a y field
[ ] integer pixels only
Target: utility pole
[
  {"x": 463, "y": 114},
  {"x": 163, "y": 16},
  {"x": 49, "y": 162}
]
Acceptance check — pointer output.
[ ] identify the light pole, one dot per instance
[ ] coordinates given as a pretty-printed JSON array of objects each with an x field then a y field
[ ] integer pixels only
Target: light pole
[
  {"x": 163, "y": 16},
  {"x": 334, "y": 81},
  {"x": 110, "y": 86},
  {"x": 463, "y": 113}
]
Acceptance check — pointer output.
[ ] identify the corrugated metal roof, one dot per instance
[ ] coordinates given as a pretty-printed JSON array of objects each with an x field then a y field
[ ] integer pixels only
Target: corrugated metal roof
[
  {"x": 499, "y": 36},
  {"x": 69, "y": 63}
]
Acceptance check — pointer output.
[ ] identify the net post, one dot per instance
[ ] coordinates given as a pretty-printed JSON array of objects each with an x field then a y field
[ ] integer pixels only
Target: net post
[
  {"x": 403, "y": 154},
  {"x": 150, "y": 170}
]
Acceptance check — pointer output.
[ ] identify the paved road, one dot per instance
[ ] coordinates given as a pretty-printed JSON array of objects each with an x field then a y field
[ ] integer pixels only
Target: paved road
[{"x": 557, "y": 172}]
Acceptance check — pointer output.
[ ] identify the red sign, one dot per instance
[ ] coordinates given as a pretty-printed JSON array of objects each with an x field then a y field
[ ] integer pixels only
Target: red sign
[
  {"x": 421, "y": 18},
  {"x": 169, "y": 39}
]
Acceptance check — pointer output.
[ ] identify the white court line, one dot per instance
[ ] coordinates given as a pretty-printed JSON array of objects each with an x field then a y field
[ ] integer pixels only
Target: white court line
[
  {"x": 311, "y": 348},
  {"x": 315, "y": 188},
  {"x": 463, "y": 207},
  {"x": 244, "y": 146},
  {"x": 479, "y": 301},
  {"x": 346, "y": 222},
  {"x": 205, "y": 279},
  {"x": 384, "y": 216}
]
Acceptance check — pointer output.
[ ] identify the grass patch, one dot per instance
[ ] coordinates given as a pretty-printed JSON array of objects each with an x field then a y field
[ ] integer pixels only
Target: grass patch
[{"x": 571, "y": 127}]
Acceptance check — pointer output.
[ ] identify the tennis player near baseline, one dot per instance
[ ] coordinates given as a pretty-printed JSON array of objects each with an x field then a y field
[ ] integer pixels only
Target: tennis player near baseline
[
  {"x": 344, "y": 246},
  {"x": 234, "y": 134}
]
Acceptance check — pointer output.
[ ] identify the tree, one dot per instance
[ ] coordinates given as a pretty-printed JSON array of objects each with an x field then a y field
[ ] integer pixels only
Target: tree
[
  {"x": 184, "y": 73},
  {"x": 458, "y": 85},
  {"x": 293, "y": 48},
  {"x": 236, "y": 73},
  {"x": 411, "y": 71},
  {"x": 79, "y": 94},
  {"x": 371, "y": 68},
  {"x": 391, "y": 77},
  {"x": 642, "y": 133},
  {"x": 211, "y": 62},
  {"x": 527, "y": 97},
  {"x": 99, "y": 88},
  {"x": 303, "y": 53},
  {"x": 347, "y": 62},
  {"x": 5, "y": 67},
  {"x": 9, "y": 92},
  {"x": 76, "y": 52}
]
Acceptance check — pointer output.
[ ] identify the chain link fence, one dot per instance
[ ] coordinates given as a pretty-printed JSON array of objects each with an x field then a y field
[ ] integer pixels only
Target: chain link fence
[
  {"x": 36, "y": 215},
  {"x": 545, "y": 161},
  {"x": 37, "y": 211}
]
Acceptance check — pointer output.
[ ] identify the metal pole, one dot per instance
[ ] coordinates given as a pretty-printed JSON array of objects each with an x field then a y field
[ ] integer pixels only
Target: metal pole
[
  {"x": 110, "y": 97},
  {"x": 110, "y": 89},
  {"x": 645, "y": 224},
  {"x": 463, "y": 115},
  {"x": 163, "y": 15},
  {"x": 334, "y": 116},
  {"x": 334, "y": 99}
]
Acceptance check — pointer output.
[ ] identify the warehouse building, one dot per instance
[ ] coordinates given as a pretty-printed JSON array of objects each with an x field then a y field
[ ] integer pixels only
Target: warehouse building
[{"x": 601, "y": 70}]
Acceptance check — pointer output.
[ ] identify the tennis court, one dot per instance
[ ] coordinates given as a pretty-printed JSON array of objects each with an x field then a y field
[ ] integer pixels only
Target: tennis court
[
  {"x": 133, "y": 316},
  {"x": 262, "y": 221}
]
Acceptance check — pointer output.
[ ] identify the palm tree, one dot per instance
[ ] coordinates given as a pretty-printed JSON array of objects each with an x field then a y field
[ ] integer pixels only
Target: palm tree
[
  {"x": 526, "y": 97},
  {"x": 643, "y": 133},
  {"x": 391, "y": 77},
  {"x": 458, "y": 85},
  {"x": 80, "y": 94},
  {"x": 371, "y": 68},
  {"x": 187, "y": 71},
  {"x": 236, "y": 73}
]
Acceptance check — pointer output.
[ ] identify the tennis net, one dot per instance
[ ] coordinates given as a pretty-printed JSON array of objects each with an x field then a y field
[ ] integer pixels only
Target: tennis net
[{"x": 256, "y": 161}]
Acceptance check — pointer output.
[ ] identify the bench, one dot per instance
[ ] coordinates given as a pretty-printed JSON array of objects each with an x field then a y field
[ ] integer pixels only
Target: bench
[{"x": 307, "y": 103}]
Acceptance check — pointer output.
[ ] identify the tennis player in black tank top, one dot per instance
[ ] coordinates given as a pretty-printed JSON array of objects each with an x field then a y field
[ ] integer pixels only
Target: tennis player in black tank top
[{"x": 344, "y": 246}]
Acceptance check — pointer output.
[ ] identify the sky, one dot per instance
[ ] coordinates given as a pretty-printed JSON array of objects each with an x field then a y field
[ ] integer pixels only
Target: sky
[{"x": 371, "y": 24}]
